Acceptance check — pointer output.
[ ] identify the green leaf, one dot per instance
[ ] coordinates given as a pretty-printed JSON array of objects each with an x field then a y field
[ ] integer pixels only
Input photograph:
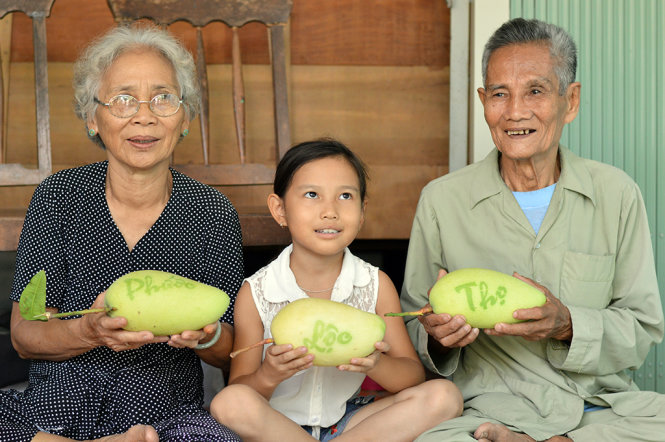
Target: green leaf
[{"x": 33, "y": 299}]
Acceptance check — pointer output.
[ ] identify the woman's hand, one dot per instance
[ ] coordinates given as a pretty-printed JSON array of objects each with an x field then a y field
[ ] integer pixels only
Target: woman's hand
[
  {"x": 551, "y": 320},
  {"x": 283, "y": 361},
  {"x": 192, "y": 338},
  {"x": 363, "y": 365},
  {"x": 103, "y": 330}
]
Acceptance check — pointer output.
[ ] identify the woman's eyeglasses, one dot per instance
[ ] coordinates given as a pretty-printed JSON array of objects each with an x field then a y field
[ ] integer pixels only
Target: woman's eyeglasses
[{"x": 125, "y": 106}]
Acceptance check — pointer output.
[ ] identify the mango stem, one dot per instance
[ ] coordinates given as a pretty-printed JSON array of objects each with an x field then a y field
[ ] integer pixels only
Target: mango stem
[
  {"x": 423, "y": 311},
  {"x": 244, "y": 349},
  {"x": 49, "y": 315}
]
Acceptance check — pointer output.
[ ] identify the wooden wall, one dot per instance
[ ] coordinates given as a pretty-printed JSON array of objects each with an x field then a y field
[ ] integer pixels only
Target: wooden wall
[{"x": 372, "y": 73}]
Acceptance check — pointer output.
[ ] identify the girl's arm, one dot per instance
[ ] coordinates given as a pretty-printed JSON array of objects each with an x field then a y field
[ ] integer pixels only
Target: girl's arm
[
  {"x": 399, "y": 367},
  {"x": 281, "y": 361}
]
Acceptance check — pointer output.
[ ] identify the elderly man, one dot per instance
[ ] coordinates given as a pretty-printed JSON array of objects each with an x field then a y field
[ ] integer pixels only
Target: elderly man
[{"x": 574, "y": 228}]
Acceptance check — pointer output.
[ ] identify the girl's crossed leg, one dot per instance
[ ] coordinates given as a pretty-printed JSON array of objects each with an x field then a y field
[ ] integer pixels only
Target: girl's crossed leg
[{"x": 399, "y": 417}]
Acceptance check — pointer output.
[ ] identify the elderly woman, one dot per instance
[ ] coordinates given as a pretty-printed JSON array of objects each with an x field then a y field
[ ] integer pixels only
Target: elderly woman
[
  {"x": 136, "y": 91},
  {"x": 574, "y": 228}
]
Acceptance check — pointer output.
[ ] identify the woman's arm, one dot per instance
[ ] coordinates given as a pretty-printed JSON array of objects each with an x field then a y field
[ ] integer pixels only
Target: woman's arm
[
  {"x": 218, "y": 354},
  {"x": 55, "y": 340},
  {"x": 59, "y": 340}
]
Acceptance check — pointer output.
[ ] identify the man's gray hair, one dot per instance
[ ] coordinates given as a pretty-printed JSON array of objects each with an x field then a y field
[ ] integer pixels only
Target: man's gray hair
[
  {"x": 520, "y": 31},
  {"x": 98, "y": 57}
]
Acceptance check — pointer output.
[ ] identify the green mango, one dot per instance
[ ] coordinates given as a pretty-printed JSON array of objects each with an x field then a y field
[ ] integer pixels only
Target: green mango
[
  {"x": 164, "y": 303},
  {"x": 333, "y": 332},
  {"x": 485, "y": 297}
]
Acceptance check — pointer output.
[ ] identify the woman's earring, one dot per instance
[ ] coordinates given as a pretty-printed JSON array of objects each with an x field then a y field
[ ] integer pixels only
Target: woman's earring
[
  {"x": 185, "y": 132},
  {"x": 91, "y": 132}
]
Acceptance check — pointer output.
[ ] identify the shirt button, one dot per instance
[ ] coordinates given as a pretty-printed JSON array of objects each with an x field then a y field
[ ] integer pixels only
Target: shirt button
[{"x": 538, "y": 245}]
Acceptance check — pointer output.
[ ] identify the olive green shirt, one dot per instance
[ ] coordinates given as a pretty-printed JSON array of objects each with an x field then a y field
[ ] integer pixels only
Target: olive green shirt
[{"x": 593, "y": 251}]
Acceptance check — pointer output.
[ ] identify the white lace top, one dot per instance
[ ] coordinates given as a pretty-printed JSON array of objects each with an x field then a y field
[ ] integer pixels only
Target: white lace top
[{"x": 301, "y": 397}]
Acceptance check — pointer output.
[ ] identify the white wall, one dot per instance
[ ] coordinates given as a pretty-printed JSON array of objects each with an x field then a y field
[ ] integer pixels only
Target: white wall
[
  {"x": 460, "y": 35},
  {"x": 486, "y": 17}
]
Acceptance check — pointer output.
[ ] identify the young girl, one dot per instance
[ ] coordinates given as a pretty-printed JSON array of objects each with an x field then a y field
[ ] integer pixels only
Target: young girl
[{"x": 279, "y": 394}]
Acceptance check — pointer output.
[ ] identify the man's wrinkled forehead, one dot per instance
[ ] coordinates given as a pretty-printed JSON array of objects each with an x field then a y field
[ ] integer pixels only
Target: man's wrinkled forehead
[{"x": 522, "y": 58}]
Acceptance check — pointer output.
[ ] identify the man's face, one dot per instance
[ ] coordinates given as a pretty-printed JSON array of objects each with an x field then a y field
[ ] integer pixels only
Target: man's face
[{"x": 523, "y": 108}]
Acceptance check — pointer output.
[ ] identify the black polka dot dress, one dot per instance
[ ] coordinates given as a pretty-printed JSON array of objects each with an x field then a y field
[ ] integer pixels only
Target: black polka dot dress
[{"x": 69, "y": 232}]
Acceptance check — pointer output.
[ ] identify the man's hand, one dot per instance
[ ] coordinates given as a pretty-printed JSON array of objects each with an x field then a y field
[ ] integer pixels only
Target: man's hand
[
  {"x": 448, "y": 331},
  {"x": 551, "y": 320}
]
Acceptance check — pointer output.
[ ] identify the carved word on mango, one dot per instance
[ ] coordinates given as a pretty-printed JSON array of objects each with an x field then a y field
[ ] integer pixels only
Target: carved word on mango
[
  {"x": 483, "y": 298},
  {"x": 325, "y": 336}
]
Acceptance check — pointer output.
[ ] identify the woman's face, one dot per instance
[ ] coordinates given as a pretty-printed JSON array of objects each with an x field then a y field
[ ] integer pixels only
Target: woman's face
[{"x": 144, "y": 140}]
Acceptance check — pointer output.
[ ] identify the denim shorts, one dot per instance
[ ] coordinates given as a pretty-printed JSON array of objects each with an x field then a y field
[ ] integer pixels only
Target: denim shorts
[{"x": 352, "y": 406}]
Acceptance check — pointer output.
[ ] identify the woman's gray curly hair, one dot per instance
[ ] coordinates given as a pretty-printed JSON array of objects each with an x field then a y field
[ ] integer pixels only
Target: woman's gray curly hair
[{"x": 102, "y": 52}]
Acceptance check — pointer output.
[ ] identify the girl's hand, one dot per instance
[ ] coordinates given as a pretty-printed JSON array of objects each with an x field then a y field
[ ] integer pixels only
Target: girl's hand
[
  {"x": 192, "y": 338},
  {"x": 103, "y": 330},
  {"x": 283, "y": 361},
  {"x": 363, "y": 365}
]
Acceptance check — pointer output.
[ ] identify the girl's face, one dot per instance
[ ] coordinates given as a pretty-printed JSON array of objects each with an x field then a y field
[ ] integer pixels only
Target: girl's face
[{"x": 322, "y": 206}]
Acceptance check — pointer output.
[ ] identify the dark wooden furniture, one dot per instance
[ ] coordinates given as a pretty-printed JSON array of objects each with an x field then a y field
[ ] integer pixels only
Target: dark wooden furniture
[
  {"x": 234, "y": 13},
  {"x": 19, "y": 174},
  {"x": 11, "y": 223},
  {"x": 15, "y": 369},
  {"x": 14, "y": 174}
]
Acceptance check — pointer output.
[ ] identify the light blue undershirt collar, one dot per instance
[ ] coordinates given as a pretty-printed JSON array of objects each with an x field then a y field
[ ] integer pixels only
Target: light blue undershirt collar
[{"x": 534, "y": 204}]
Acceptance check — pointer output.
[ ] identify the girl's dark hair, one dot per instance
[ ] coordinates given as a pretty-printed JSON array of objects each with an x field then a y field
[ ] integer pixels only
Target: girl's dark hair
[{"x": 308, "y": 151}]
